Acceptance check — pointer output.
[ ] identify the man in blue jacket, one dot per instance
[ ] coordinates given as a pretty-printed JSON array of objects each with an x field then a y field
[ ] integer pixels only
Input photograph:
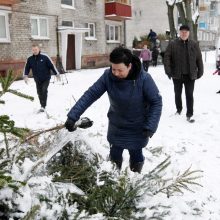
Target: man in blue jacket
[
  {"x": 135, "y": 106},
  {"x": 41, "y": 65}
]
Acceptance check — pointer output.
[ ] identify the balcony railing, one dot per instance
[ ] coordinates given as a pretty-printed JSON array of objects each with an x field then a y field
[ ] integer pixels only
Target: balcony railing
[{"x": 117, "y": 10}]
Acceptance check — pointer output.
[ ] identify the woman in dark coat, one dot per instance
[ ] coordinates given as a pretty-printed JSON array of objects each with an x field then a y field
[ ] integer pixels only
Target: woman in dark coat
[{"x": 135, "y": 106}]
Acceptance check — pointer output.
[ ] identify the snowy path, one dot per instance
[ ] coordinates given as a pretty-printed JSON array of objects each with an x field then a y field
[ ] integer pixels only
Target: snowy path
[{"x": 196, "y": 144}]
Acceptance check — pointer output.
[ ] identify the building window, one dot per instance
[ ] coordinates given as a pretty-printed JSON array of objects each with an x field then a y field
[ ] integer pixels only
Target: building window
[
  {"x": 4, "y": 28},
  {"x": 39, "y": 27},
  {"x": 68, "y": 4},
  {"x": 67, "y": 23},
  {"x": 202, "y": 25},
  {"x": 213, "y": 6},
  {"x": 113, "y": 33},
  {"x": 91, "y": 33}
]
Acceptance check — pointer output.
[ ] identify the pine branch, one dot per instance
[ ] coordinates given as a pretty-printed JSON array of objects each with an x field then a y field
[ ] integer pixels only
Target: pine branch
[
  {"x": 32, "y": 213},
  {"x": 36, "y": 134},
  {"x": 20, "y": 94},
  {"x": 181, "y": 182},
  {"x": 6, "y": 144}
]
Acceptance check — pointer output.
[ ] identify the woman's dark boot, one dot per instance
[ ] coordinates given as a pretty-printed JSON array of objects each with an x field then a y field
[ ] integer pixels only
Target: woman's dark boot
[
  {"x": 137, "y": 166},
  {"x": 118, "y": 163}
]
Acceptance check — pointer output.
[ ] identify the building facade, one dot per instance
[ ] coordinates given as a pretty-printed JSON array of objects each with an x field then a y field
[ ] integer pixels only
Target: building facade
[
  {"x": 208, "y": 23},
  {"x": 82, "y": 32},
  {"x": 146, "y": 15}
]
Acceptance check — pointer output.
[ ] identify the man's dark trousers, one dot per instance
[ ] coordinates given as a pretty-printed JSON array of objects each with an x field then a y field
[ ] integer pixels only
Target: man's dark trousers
[
  {"x": 189, "y": 88},
  {"x": 42, "y": 91}
]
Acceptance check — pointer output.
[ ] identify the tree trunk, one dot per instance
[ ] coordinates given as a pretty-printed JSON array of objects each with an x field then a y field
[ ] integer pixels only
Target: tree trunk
[
  {"x": 181, "y": 11},
  {"x": 171, "y": 21},
  {"x": 188, "y": 9}
]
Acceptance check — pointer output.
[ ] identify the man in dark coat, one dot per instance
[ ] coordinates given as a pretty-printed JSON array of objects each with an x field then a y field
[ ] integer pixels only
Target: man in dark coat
[
  {"x": 41, "y": 66},
  {"x": 152, "y": 37},
  {"x": 135, "y": 106},
  {"x": 183, "y": 62}
]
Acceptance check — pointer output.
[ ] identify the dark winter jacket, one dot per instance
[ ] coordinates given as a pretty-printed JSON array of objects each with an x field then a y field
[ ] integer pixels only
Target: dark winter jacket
[
  {"x": 173, "y": 60},
  {"x": 135, "y": 106},
  {"x": 41, "y": 65}
]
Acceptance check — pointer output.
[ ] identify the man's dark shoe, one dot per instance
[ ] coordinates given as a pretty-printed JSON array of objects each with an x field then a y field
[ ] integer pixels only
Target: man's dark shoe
[
  {"x": 178, "y": 112},
  {"x": 190, "y": 119},
  {"x": 218, "y": 92}
]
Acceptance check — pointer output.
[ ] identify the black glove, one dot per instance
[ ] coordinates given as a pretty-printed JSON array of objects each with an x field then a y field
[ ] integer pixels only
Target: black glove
[
  {"x": 70, "y": 125},
  {"x": 148, "y": 133}
]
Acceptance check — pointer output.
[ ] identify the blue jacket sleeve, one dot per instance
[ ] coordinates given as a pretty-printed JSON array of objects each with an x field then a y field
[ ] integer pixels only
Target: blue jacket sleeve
[
  {"x": 27, "y": 68},
  {"x": 90, "y": 96},
  {"x": 154, "y": 99},
  {"x": 51, "y": 66}
]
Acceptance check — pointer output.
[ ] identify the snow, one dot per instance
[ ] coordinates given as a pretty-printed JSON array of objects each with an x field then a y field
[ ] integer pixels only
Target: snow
[{"x": 195, "y": 145}]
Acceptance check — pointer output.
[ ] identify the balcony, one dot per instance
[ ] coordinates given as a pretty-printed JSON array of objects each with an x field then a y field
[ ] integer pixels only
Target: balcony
[
  {"x": 118, "y": 10},
  {"x": 9, "y": 2}
]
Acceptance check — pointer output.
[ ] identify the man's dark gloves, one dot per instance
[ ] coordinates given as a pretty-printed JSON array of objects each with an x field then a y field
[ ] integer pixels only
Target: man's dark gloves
[
  {"x": 148, "y": 133},
  {"x": 70, "y": 125}
]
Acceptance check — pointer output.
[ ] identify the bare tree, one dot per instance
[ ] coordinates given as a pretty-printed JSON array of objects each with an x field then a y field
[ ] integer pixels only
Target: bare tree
[{"x": 188, "y": 13}]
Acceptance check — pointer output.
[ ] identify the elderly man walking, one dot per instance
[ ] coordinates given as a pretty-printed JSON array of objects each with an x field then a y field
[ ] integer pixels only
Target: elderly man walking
[{"x": 183, "y": 63}]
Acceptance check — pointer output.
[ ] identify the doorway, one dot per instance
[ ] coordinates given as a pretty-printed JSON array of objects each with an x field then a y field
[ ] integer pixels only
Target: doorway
[{"x": 70, "y": 60}]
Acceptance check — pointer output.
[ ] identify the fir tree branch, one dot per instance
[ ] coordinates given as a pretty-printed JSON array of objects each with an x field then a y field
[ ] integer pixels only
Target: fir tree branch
[{"x": 21, "y": 94}]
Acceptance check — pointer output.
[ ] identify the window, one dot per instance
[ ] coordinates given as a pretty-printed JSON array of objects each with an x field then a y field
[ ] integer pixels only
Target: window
[
  {"x": 4, "y": 28},
  {"x": 113, "y": 33},
  {"x": 213, "y": 6},
  {"x": 39, "y": 27},
  {"x": 202, "y": 25},
  {"x": 68, "y": 4},
  {"x": 67, "y": 23},
  {"x": 91, "y": 33}
]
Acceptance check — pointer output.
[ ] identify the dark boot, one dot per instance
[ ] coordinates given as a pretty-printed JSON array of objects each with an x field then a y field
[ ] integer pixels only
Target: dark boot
[
  {"x": 118, "y": 163},
  {"x": 136, "y": 167}
]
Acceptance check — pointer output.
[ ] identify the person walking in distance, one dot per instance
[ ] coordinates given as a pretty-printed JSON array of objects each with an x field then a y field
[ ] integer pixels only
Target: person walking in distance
[
  {"x": 135, "y": 107},
  {"x": 183, "y": 63},
  {"x": 41, "y": 66},
  {"x": 145, "y": 55}
]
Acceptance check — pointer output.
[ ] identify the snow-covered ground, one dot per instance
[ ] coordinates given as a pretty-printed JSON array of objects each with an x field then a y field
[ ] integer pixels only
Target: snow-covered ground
[{"x": 189, "y": 144}]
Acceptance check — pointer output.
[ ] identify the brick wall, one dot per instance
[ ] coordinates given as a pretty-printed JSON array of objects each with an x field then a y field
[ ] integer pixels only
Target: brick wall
[{"x": 15, "y": 53}]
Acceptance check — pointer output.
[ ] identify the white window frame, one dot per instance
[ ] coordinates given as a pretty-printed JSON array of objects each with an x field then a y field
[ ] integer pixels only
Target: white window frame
[
  {"x": 7, "y": 38},
  {"x": 69, "y": 6},
  {"x": 114, "y": 35},
  {"x": 38, "y": 27},
  {"x": 89, "y": 37}
]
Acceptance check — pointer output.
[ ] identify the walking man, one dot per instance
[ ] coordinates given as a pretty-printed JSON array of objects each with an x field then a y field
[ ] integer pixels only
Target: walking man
[
  {"x": 183, "y": 63},
  {"x": 41, "y": 66},
  {"x": 135, "y": 107}
]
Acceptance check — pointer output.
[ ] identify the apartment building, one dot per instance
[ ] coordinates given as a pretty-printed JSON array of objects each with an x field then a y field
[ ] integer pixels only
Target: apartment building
[
  {"x": 146, "y": 15},
  {"x": 82, "y": 32}
]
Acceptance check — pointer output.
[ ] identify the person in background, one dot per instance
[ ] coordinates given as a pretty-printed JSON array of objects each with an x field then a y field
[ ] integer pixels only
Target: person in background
[
  {"x": 155, "y": 53},
  {"x": 41, "y": 66},
  {"x": 217, "y": 72},
  {"x": 183, "y": 63},
  {"x": 135, "y": 107},
  {"x": 152, "y": 37},
  {"x": 145, "y": 55}
]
